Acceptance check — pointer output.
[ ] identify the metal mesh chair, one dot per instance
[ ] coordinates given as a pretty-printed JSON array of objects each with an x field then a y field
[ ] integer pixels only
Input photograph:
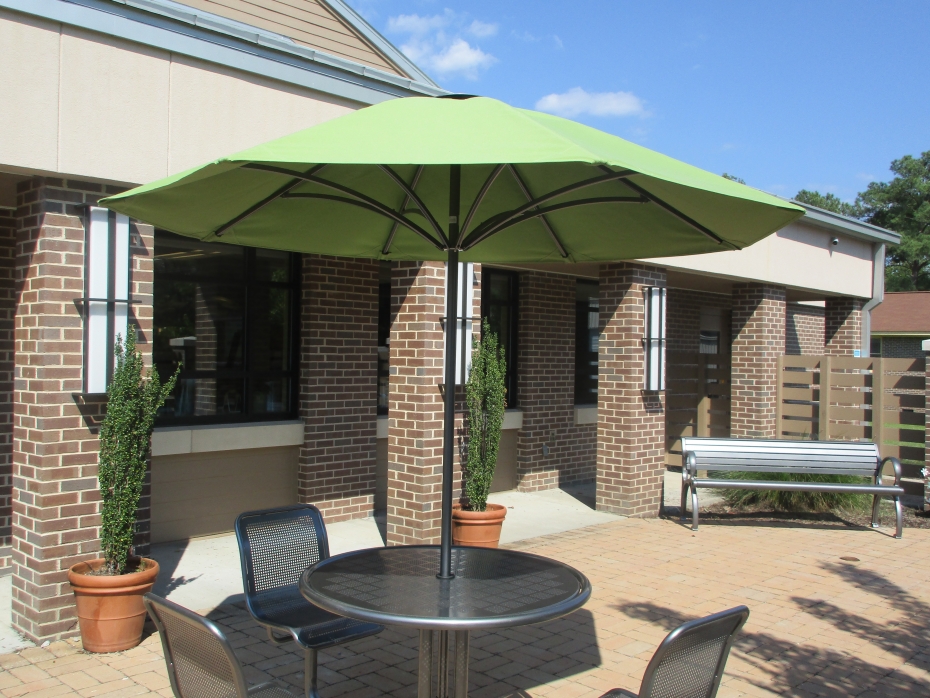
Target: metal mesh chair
[
  {"x": 201, "y": 662},
  {"x": 689, "y": 663},
  {"x": 275, "y": 547}
]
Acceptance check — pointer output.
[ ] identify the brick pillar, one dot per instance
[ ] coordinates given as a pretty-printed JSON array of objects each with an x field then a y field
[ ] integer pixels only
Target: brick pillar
[
  {"x": 551, "y": 450},
  {"x": 55, "y": 429},
  {"x": 7, "y": 312},
  {"x": 630, "y": 421},
  {"x": 339, "y": 387},
  {"x": 842, "y": 326},
  {"x": 758, "y": 341}
]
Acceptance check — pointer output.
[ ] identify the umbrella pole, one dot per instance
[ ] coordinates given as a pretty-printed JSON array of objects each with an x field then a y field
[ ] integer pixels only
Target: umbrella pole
[{"x": 452, "y": 321}]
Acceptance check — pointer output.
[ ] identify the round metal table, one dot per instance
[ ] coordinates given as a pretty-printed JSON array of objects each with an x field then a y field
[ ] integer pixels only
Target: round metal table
[{"x": 491, "y": 588}]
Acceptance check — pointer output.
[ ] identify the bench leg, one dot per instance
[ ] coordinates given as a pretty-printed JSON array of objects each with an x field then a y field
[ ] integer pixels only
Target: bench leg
[
  {"x": 684, "y": 500},
  {"x": 694, "y": 508},
  {"x": 898, "y": 517},
  {"x": 876, "y": 501}
]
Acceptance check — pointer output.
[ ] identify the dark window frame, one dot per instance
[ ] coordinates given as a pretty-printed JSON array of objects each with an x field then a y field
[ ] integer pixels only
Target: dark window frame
[
  {"x": 581, "y": 390},
  {"x": 247, "y": 373},
  {"x": 512, "y": 352}
]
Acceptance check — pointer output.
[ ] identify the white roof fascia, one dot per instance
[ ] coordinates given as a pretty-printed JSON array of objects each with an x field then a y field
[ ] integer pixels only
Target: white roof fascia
[
  {"x": 395, "y": 55},
  {"x": 177, "y": 28},
  {"x": 854, "y": 228}
]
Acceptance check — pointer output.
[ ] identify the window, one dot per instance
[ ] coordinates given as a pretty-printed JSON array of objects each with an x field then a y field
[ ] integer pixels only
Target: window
[
  {"x": 227, "y": 316},
  {"x": 875, "y": 346},
  {"x": 499, "y": 305},
  {"x": 710, "y": 342},
  {"x": 587, "y": 335},
  {"x": 384, "y": 336}
]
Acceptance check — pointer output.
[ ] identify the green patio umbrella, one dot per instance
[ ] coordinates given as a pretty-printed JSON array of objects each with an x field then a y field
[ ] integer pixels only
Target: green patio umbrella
[{"x": 467, "y": 179}]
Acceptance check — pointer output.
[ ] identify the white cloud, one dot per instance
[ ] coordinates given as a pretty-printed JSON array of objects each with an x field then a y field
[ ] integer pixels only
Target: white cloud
[
  {"x": 436, "y": 42},
  {"x": 482, "y": 30},
  {"x": 577, "y": 101}
]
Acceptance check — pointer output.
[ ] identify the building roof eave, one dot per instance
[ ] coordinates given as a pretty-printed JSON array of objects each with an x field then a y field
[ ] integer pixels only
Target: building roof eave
[
  {"x": 835, "y": 222},
  {"x": 180, "y": 29}
]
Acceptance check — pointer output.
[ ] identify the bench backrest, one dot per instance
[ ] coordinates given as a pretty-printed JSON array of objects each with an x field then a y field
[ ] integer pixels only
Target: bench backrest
[{"x": 783, "y": 456}]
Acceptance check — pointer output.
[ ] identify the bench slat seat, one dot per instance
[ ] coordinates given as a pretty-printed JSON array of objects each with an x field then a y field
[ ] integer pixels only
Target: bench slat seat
[{"x": 789, "y": 457}]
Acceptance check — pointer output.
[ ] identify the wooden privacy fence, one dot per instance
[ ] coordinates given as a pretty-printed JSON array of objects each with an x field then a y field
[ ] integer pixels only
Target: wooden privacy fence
[
  {"x": 697, "y": 398},
  {"x": 849, "y": 399}
]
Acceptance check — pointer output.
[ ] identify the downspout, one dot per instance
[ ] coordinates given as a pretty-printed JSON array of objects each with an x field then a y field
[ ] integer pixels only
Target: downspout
[{"x": 878, "y": 295}]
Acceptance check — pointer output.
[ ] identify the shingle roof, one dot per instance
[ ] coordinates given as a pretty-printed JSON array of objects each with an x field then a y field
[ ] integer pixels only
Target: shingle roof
[{"x": 907, "y": 311}]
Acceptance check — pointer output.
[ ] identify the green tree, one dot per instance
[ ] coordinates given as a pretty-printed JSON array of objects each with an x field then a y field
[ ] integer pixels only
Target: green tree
[
  {"x": 828, "y": 201},
  {"x": 484, "y": 394},
  {"x": 903, "y": 205},
  {"x": 125, "y": 437}
]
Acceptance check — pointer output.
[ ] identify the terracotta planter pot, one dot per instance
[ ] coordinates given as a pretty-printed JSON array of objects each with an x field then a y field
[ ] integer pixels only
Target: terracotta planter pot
[
  {"x": 109, "y": 608},
  {"x": 480, "y": 529}
]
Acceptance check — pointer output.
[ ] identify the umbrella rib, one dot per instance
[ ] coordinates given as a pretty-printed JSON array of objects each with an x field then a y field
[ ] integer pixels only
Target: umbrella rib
[
  {"x": 678, "y": 214},
  {"x": 543, "y": 219},
  {"x": 390, "y": 240},
  {"x": 478, "y": 235},
  {"x": 264, "y": 202},
  {"x": 417, "y": 200},
  {"x": 372, "y": 203},
  {"x": 375, "y": 208},
  {"x": 539, "y": 212},
  {"x": 477, "y": 202}
]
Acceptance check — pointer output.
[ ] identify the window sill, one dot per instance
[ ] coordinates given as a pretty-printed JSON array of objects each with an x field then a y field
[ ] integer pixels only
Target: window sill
[
  {"x": 171, "y": 441},
  {"x": 585, "y": 414}
]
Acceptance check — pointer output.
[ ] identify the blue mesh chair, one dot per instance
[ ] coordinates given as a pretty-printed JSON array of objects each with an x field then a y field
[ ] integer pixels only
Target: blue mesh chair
[
  {"x": 201, "y": 662},
  {"x": 689, "y": 663},
  {"x": 275, "y": 547}
]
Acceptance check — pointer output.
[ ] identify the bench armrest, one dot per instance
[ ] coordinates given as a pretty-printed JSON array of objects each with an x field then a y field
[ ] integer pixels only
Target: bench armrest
[{"x": 896, "y": 464}]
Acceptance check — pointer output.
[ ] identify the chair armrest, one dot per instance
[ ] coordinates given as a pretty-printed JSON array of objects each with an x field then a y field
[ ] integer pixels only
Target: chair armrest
[{"x": 895, "y": 464}]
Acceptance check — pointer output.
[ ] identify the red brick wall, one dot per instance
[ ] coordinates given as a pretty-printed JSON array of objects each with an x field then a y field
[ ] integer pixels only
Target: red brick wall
[
  {"x": 55, "y": 508},
  {"x": 631, "y": 422},
  {"x": 758, "y": 341},
  {"x": 551, "y": 449},
  {"x": 804, "y": 330},
  {"x": 7, "y": 311},
  {"x": 683, "y": 318},
  {"x": 843, "y": 326},
  {"x": 338, "y": 385}
]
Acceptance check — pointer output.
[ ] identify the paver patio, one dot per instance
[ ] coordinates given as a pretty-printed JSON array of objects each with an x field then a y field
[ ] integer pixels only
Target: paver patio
[{"x": 820, "y": 626}]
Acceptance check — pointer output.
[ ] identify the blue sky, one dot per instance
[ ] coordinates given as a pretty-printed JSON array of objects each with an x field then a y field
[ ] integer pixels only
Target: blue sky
[{"x": 786, "y": 95}]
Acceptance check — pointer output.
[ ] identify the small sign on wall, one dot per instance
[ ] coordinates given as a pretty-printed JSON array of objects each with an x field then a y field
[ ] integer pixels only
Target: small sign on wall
[{"x": 106, "y": 293}]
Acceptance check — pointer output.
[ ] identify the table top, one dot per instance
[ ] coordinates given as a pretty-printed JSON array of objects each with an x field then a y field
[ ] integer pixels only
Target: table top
[{"x": 492, "y": 588}]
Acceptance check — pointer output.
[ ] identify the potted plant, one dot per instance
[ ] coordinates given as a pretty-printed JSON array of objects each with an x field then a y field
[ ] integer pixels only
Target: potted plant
[
  {"x": 108, "y": 591},
  {"x": 476, "y": 522}
]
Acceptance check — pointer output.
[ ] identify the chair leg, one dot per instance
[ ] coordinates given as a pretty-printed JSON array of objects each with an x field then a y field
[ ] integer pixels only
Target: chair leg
[
  {"x": 876, "y": 502},
  {"x": 898, "y": 517},
  {"x": 694, "y": 508},
  {"x": 310, "y": 674}
]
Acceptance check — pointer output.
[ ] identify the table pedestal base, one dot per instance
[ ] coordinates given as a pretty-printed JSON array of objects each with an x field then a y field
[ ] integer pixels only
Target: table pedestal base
[{"x": 452, "y": 643}]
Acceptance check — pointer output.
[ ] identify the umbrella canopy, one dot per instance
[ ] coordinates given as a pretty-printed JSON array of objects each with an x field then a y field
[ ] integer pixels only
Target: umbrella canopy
[{"x": 461, "y": 179}]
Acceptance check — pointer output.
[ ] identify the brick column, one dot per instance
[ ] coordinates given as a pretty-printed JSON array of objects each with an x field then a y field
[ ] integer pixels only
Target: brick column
[
  {"x": 842, "y": 326},
  {"x": 630, "y": 421},
  {"x": 339, "y": 387},
  {"x": 7, "y": 312},
  {"x": 551, "y": 450},
  {"x": 55, "y": 430},
  {"x": 758, "y": 341}
]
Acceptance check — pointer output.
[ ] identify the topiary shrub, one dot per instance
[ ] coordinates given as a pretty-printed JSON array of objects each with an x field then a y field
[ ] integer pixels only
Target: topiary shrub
[
  {"x": 484, "y": 394},
  {"x": 795, "y": 501},
  {"x": 125, "y": 437}
]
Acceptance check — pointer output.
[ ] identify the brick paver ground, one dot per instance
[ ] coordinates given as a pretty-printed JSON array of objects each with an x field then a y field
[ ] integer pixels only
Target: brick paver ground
[{"x": 820, "y": 625}]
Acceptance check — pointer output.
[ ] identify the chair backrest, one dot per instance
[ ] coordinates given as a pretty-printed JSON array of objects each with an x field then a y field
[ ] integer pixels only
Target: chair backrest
[
  {"x": 783, "y": 455},
  {"x": 689, "y": 663},
  {"x": 276, "y": 546},
  {"x": 201, "y": 663}
]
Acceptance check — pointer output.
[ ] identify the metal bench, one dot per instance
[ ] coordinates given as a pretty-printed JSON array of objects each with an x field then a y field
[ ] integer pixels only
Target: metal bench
[{"x": 793, "y": 457}]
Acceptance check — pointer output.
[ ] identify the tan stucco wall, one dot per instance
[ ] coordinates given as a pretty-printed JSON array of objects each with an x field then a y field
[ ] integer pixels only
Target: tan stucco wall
[
  {"x": 798, "y": 256},
  {"x": 79, "y": 103}
]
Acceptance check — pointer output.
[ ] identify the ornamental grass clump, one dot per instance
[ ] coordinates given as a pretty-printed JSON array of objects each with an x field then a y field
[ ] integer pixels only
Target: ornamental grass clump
[
  {"x": 485, "y": 395},
  {"x": 125, "y": 437},
  {"x": 796, "y": 501}
]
